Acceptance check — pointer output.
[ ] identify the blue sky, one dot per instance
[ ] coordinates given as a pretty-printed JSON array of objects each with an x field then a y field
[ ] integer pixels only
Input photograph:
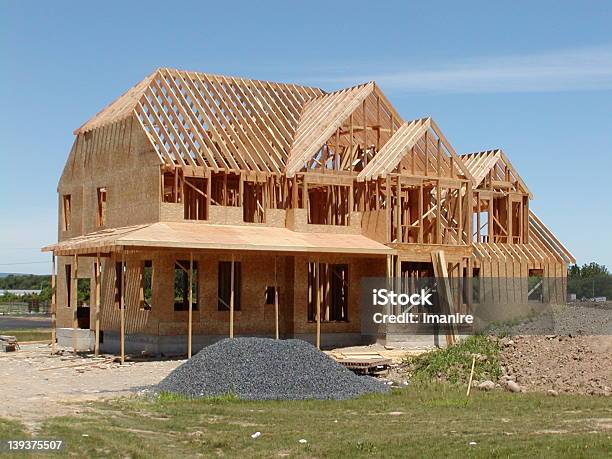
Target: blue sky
[{"x": 534, "y": 78}]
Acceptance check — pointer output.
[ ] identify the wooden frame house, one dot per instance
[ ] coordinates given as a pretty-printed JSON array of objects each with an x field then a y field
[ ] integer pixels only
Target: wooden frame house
[{"x": 203, "y": 206}]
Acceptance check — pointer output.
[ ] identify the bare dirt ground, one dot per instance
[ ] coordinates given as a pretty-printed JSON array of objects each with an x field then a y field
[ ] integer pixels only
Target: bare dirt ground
[
  {"x": 567, "y": 350},
  {"x": 36, "y": 385},
  {"x": 574, "y": 356},
  {"x": 564, "y": 364}
]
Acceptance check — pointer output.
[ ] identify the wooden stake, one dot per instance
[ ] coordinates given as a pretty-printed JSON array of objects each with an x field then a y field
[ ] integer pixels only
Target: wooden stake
[
  {"x": 97, "y": 312},
  {"x": 231, "y": 333},
  {"x": 276, "y": 300},
  {"x": 471, "y": 376},
  {"x": 53, "y": 304},
  {"x": 122, "y": 307},
  {"x": 189, "y": 327}
]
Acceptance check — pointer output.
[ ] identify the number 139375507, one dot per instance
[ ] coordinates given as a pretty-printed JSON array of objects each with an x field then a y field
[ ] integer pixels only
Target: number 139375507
[{"x": 31, "y": 445}]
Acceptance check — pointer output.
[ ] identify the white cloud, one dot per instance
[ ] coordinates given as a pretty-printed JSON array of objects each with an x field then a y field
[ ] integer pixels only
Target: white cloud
[{"x": 563, "y": 70}]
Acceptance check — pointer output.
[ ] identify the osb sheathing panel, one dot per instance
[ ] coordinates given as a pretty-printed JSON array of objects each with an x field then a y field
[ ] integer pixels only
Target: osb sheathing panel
[
  {"x": 227, "y": 215},
  {"x": 255, "y": 317},
  {"x": 508, "y": 280},
  {"x": 297, "y": 220},
  {"x": 120, "y": 158},
  {"x": 172, "y": 212},
  {"x": 374, "y": 224}
]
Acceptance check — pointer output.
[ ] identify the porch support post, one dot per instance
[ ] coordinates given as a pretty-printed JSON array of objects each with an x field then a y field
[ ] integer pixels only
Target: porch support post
[
  {"x": 276, "y": 300},
  {"x": 318, "y": 303},
  {"x": 389, "y": 279},
  {"x": 231, "y": 332},
  {"x": 122, "y": 306},
  {"x": 97, "y": 313},
  {"x": 53, "y": 304},
  {"x": 189, "y": 326},
  {"x": 74, "y": 301}
]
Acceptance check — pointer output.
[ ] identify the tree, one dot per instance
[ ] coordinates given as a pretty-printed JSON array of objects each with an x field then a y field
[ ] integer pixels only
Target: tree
[{"x": 590, "y": 280}]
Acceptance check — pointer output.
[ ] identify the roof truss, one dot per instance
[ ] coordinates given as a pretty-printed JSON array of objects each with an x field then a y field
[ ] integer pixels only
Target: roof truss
[
  {"x": 418, "y": 147},
  {"x": 495, "y": 165}
]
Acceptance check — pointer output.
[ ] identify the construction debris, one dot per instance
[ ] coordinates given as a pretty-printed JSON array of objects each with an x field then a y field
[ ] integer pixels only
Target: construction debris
[
  {"x": 266, "y": 369},
  {"x": 8, "y": 343},
  {"x": 369, "y": 363}
]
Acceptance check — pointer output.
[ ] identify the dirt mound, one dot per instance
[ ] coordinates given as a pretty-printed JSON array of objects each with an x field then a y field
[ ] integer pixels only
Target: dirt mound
[
  {"x": 575, "y": 364},
  {"x": 266, "y": 369}
]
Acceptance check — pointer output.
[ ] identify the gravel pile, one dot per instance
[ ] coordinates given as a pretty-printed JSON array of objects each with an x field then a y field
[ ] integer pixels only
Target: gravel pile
[{"x": 266, "y": 369}]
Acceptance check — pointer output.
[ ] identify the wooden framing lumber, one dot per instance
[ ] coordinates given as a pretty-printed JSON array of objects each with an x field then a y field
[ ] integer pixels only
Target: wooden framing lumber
[
  {"x": 53, "y": 304},
  {"x": 98, "y": 293},
  {"x": 122, "y": 308},
  {"x": 190, "y": 317},
  {"x": 231, "y": 311}
]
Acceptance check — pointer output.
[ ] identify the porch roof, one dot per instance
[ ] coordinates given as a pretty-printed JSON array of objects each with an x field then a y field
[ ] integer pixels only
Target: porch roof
[{"x": 198, "y": 236}]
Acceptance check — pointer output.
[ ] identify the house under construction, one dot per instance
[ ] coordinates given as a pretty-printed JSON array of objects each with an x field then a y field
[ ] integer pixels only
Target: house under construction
[{"x": 196, "y": 207}]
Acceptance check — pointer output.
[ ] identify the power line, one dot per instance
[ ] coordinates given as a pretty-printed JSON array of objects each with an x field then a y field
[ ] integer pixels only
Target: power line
[
  {"x": 19, "y": 248},
  {"x": 25, "y": 263}
]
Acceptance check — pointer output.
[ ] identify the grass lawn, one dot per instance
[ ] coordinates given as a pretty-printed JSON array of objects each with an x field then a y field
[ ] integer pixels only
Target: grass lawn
[
  {"x": 29, "y": 334},
  {"x": 436, "y": 420}
]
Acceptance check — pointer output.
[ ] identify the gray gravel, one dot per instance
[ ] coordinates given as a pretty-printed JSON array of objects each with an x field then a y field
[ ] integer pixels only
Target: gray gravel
[
  {"x": 569, "y": 319},
  {"x": 266, "y": 369}
]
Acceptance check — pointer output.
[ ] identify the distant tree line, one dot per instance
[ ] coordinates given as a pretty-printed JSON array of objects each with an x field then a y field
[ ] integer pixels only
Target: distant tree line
[
  {"x": 26, "y": 282},
  {"x": 36, "y": 282},
  {"x": 589, "y": 280}
]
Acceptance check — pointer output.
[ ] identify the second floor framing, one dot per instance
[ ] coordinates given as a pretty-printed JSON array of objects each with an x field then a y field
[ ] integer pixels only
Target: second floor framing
[{"x": 185, "y": 146}]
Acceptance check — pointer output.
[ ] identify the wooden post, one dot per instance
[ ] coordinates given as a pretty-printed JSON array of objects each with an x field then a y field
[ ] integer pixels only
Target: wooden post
[
  {"x": 477, "y": 217},
  {"x": 318, "y": 304},
  {"x": 53, "y": 304},
  {"x": 421, "y": 222},
  {"x": 122, "y": 307},
  {"x": 470, "y": 284},
  {"x": 398, "y": 209},
  {"x": 231, "y": 333},
  {"x": 276, "y": 300},
  {"x": 208, "y": 193},
  {"x": 294, "y": 192},
  {"x": 97, "y": 312},
  {"x": 189, "y": 327},
  {"x": 389, "y": 276},
  {"x": 388, "y": 207},
  {"x": 438, "y": 212},
  {"x": 74, "y": 301},
  {"x": 444, "y": 291}
]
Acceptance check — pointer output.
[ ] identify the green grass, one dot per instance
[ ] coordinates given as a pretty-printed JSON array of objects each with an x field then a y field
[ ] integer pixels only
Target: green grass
[
  {"x": 29, "y": 334},
  {"x": 453, "y": 364},
  {"x": 429, "y": 421}
]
